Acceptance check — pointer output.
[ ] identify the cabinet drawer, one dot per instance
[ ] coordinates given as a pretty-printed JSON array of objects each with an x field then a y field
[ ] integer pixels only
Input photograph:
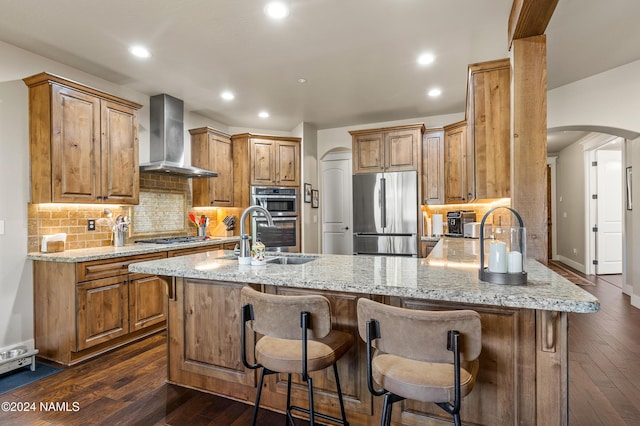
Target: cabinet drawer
[
  {"x": 111, "y": 267},
  {"x": 194, "y": 250}
]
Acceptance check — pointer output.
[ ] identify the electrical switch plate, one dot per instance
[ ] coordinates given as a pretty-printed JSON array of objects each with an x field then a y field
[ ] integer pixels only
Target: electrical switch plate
[
  {"x": 1, "y": 227},
  {"x": 91, "y": 225}
]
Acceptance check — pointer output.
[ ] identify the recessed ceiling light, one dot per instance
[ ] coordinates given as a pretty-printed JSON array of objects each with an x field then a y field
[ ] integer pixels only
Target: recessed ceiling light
[
  {"x": 434, "y": 92},
  {"x": 276, "y": 10},
  {"x": 263, "y": 114},
  {"x": 302, "y": 80},
  {"x": 426, "y": 59},
  {"x": 227, "y": 96},
  {"x": 139, "y": 51}
]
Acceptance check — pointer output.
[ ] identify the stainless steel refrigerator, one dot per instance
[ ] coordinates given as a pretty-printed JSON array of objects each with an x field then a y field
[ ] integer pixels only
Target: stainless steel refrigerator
[{"x": 385, "y": 213}]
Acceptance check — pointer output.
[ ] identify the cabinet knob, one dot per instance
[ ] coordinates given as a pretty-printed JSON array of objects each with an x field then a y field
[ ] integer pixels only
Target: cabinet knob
[{"x": 346, "y": 228}]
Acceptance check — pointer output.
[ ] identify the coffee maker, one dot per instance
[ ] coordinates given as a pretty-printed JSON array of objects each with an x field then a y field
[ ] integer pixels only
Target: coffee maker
[{"x": 456, "y": 221}]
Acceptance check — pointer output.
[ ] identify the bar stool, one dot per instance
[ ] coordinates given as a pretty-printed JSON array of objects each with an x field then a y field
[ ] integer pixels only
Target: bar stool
[
  {"x": 297, "y": 338},
  {"x": 417, "y": 355}
]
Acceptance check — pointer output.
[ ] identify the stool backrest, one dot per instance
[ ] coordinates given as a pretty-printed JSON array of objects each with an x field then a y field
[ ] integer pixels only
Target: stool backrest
[
  {"x": 421, "y": 335},
  {"x": 279, "y": 316}
]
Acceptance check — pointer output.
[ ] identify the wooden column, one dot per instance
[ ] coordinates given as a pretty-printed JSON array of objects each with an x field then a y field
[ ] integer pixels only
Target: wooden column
[{"x": 529, "y": 140}]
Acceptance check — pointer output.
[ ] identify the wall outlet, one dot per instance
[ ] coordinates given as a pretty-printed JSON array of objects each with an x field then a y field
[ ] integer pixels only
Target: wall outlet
[
  {"x": 575, "y": 251},
  {"x": 91, "y": 225},
  {"x": 1, "y": 227}
]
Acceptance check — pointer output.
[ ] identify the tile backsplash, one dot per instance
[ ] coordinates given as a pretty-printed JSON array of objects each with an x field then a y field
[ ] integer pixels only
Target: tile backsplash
[{"x": 165, "y": 202}]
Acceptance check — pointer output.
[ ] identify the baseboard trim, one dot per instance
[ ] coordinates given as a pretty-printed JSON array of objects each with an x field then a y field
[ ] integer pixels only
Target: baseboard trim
[
  {"x": 635, "y": 301},
  {"x": 575, "y": 265}
]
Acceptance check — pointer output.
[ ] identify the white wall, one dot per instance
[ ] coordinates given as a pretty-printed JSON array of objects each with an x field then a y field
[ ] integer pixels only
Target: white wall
[{"x": 611, "y": 100}]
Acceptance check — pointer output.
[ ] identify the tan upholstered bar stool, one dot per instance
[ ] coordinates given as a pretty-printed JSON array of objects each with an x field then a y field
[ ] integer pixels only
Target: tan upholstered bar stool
[
  {"x": 297, "y": 338},
  {"x": 417, "y": 355}
]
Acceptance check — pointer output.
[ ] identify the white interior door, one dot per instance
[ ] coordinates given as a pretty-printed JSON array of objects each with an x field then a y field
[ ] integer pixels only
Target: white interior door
[
  {"x": 337, "y": 236},
  {"x": 609, "y": 235}
]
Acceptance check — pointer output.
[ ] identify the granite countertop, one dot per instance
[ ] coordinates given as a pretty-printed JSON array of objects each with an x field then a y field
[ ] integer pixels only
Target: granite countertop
[
  {"x": 450, "y": 273},
  {"x": 109, "y": 252}
]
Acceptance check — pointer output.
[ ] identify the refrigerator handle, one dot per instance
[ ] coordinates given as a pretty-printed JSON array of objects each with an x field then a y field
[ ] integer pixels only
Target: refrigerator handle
[{"x": 383, "y": 201}]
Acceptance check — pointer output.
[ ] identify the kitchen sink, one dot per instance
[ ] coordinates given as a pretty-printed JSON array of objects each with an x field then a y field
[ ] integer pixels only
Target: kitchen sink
[
  {"x": 278, "y": 260},
  {"x": 291, "y": 260}
]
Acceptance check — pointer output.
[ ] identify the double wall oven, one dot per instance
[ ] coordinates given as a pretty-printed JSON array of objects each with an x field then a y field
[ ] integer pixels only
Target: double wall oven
[{"x": 282, "y": 203}]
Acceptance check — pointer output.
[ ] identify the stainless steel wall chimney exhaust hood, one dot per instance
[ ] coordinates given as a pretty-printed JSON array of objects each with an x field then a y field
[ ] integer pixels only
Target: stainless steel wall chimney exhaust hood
[{"x": 167, "y": 140}]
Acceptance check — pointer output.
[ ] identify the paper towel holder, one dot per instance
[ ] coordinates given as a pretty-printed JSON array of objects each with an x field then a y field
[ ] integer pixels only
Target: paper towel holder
[{"x": 509, "y": 278}]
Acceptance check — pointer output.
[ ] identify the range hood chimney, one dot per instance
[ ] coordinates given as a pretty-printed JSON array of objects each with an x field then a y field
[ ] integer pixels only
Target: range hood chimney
[{"x": 167, "y": 140}]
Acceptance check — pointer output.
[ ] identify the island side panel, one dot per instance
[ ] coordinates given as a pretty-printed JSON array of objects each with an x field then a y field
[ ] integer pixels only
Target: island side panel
[
  {"x": 204, "y": 338},
  {"x": 552, "y": 361},
  {"x": 504, "y": 392}
]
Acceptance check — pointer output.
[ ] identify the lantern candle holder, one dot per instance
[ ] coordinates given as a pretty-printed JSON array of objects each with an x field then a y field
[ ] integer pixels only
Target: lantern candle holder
[{"x": 507, "y": 252}]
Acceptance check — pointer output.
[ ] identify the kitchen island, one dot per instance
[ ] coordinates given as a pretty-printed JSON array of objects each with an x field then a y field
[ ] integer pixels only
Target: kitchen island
[{"x": 523, "y": 365}]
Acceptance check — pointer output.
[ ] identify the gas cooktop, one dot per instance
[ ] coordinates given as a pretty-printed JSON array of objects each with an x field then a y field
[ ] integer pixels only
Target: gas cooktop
[{"x": 173, "y": 240}]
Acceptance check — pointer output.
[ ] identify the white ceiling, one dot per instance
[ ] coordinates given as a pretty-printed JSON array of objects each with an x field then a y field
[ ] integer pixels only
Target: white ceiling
[{"x": 358, "y": 56}]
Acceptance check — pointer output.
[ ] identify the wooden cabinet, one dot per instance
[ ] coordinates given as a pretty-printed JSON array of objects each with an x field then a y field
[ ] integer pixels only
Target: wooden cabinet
[
  {"x": 392, "y": 149},
  {"x": 87, "y": 308},
  {"x": 488, "y": 117},
  {"x": 211, "y": 150},
  {"x": 457, "y": 188},
  {"x": 83, "y": 143},
  {"x": 433, "y": 167},
  {"x": 263, "y": 161},
  {"x": 103, "y": 311},
  {"x": 274, "y": 162}
]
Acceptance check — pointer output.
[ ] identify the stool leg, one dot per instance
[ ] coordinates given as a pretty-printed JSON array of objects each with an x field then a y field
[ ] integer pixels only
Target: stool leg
[
  {"x": 288, "y": 398},
  {"x": 311, "y": 412},
  {"x": 344, "y": 415},
  {"x": 255, "y": 408},
  {"x": 456, "y": 419},
  {"x": 386, "y": 411}
]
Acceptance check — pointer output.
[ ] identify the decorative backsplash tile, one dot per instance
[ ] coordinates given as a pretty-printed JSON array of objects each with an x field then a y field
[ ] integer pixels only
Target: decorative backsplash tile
[
  {"x": 159, "y": 212},
  {"x": 165, "y": 202}
]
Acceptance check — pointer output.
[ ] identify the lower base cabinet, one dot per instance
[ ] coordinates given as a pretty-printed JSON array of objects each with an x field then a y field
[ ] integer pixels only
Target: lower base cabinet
[{"x": 87, "y": 308}]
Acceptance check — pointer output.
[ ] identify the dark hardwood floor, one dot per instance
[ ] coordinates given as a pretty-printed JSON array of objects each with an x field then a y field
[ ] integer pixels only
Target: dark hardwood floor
[{"x": 127, "y": 386}]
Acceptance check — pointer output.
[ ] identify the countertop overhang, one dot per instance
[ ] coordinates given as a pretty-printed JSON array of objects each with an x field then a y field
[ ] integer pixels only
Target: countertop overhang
[{"x": 450, "y": 273}]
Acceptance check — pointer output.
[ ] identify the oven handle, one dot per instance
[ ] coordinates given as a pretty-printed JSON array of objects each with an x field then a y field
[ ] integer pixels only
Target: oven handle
[{"x": 275, "y": 218}]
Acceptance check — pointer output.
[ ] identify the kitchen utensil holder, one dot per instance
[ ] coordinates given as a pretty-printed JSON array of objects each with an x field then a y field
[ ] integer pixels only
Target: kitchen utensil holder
[
  {"x": 118, "y": 238},
  {"x": 509, "y": 278},
  {"x": 202, "y": 231}
]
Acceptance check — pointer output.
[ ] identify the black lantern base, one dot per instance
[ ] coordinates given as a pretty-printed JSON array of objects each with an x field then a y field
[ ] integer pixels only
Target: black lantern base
[{"x": 517, "y": 278}]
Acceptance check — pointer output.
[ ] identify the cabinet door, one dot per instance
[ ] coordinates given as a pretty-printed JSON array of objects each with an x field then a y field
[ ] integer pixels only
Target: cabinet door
[
  {"x": 207, "y": 329},
  {"x": 263, "y": 165},
  {"x": 120, "y": 168},
  {"x": 221, "y": 161},
  {"x": 433, "y": 167},
  {"x": 147, "y": 301},
  {"x": 491, "y": 134},
  {"x": 368, "y": 153},
  {"x": 75, "y": 146},
  {"x": 102, "y": 311},
  {"x": 455, "y": 157},
  {"x": 201, "y": 187},
  {"x": 401, "y": 150},
  {"x": 287, "y": 163}
]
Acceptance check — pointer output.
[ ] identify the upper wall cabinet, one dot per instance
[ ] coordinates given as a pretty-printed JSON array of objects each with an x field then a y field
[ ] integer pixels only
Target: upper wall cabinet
[
  {"x": 433, "y": 166},
  {"x": 83, "y": 143},
  {"x": 457, "y": 155},
  {"x": 263, "y": 160},
  {"x": 211, "y": 150},
  {"x": 488, "y": 118},
  {"x": 391, "y": 149}
]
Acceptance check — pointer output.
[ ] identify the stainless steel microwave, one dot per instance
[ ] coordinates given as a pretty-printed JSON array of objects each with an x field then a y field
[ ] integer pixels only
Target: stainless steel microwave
[{"x": 278, "y": 201}]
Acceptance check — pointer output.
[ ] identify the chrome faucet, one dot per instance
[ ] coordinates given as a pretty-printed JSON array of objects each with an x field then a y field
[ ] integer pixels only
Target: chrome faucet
[{"x": 244, "y": 238}]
